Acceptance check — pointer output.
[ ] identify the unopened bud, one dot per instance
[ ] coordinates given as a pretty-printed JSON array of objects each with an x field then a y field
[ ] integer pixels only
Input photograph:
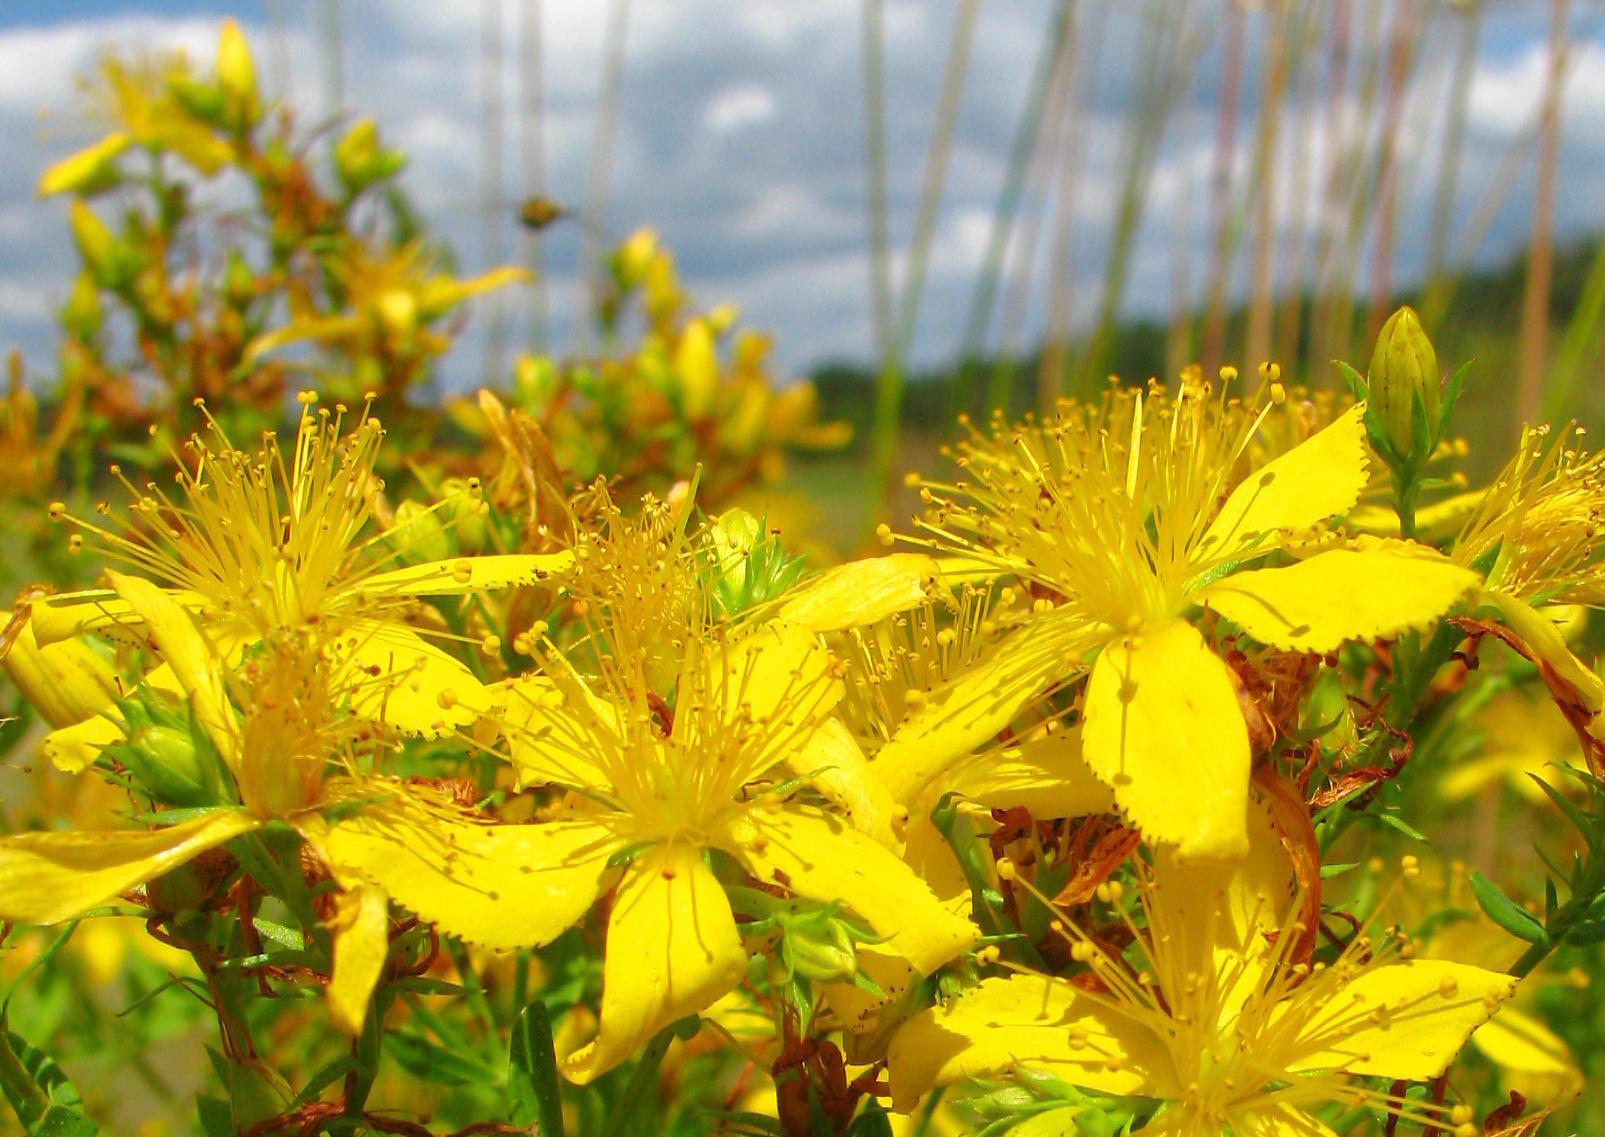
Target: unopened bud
[
  {"x": 236, "y": 75},
  {"x": 95, "y": 242},
  {"x": 418, "y": 534},
  {"x": 361, "y": 161},
  {"x": 1404, "y": 365},
  {"x": 167, "y": 755},
  {"x": 634, "y": 257}
]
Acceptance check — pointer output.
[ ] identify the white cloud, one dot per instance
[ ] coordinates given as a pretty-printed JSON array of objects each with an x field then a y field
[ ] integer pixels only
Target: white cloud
[
  {"x": 740, "y": 136},
  {"x": 735, "y": 107}
]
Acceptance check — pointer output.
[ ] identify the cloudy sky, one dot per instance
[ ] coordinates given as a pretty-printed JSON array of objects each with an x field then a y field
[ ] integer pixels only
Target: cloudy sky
[{"x": 741, "y": 139}]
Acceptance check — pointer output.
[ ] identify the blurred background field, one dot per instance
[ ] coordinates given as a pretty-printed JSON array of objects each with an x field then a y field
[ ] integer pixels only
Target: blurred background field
[{"x": 920, "y": 209}]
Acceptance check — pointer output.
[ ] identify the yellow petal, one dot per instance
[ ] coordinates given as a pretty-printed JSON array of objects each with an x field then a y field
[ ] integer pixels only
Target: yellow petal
[
  {"x": 1518, "y": 1042},
  {"x": 49, "y": 877},
  {"x": 834, "y": 763},
  {"x": 79, "y": 169},
  {"x": 778, "y": 675},
  {"x": 672, "y": 950},
  {"x": 554, "y": 734},
  {"x": 1319, "y": 478},
  {"x": 70, "y": 614},
  {"x": 396, "y": 676},
  {"x": 361, "y": 931},
  {"x": 503, "y": 886},
  {"x": 1215, "y": 919},
  {"x": 326, "y": 328},
  {"x": 1365, "y": 593},
  {"x": 977, "y": 704},
  {"x": 193, "y": 661},
  {"x": 462, "y": 575},
  {"x": 1277, "y": 1121},
  {"x": 1035, "y": 1021},
  {"x": 817, "y": 856},
  {"x": 861, "y": 592},
  {"x": 1400, "y": 1020},
  {"x": 1164, "y": 728},
  {"x": 65, "y": 682},
  {"x": 73, "y": 749},
  {"x": 1045, "y": 774}
]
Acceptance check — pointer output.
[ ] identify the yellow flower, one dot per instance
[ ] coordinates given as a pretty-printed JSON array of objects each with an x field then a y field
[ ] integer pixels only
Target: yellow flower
[
  {"x": 1536, "y": 539},
  {"x": 1219, "y": 1022},
  {"x": 658, "y": 783},
  {"x": 1123, "y": 518},
  {"x": 291, "y": 755},
  {"x": 391, "y": 301},
  {"x": 139, "y": 98},
  {"x": 254, "y": 547}
]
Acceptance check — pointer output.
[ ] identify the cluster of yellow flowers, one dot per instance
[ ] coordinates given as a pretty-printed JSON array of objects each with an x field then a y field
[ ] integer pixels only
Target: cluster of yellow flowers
[
  {"x": 1072, "y": 814},
  {"x": 1046, "y": 799}
]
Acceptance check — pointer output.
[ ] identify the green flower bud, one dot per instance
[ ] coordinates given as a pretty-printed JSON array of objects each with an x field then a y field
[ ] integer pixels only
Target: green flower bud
[
  {"x": 96, "y": 244},
  {"x": 236, "y": 75},
  {"x": 418, "y": 534},
  {"x": 239, "y": 282},
  {"x": 1005, "y": 1101},
  {"x": 81, "y": 314},
  {"x": 819, "y": 950},
  {"x": 167, "y": 755},
  {"x": 749, "y": 566},
  {"x": 1404, "y": 366},
  {"x": 203, "y": 100},
  {"x": 361, "y": 161},
  {"x": 174, "y": 891},
  {"x": 535, "y": 380}
]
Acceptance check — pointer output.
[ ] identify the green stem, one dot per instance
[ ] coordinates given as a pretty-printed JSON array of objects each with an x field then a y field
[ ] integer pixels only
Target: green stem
[
  {"x": 1533, "y": 956},
  {"x": 27, "y": 1099},
  {"x": 1405, "y": 506}
]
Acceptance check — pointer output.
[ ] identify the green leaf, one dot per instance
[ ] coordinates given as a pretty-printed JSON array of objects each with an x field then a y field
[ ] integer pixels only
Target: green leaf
[
  {"x": 59, "y": 1121},
  {"x": 1451, "y": 395},
  {"x": 429, "y": 1062},
  {"x": 532, "y": 1073},
  {"x": 1395, "y": 822},
  {"x": 216, "y": 1118},
  {"x": 873, "y": 1122},
  {"x": 1353, "y": 380},
  {"x": 1505, "y": 912}
]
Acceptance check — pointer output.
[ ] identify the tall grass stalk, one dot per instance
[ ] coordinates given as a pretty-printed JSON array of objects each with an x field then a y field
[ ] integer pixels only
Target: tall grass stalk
[
  {"x": 1049, "y": 154},
  {"x": 593, "y": 222},
  {"x": 1055, "y": 41},
  {"x": 1534, "y": 344},
  {"x": 532, "y": 164},
  {"x": 491, "y": 131}
]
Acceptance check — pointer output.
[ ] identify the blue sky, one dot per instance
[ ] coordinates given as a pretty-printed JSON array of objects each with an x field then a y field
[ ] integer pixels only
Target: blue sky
[{"x": 741, "y": 139}]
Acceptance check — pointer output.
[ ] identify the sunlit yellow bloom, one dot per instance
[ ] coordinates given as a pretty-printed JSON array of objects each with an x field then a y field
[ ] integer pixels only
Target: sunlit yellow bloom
[
  {"x": 891, "y": 664},
  {"x": 254, "y": 546},
  {"x": 1125, "y": 517},
  {"x": 1536, "y": 537},
  {"x": 658, "y": 783},
  {"x": 1218, "y": 1022},
  {"x": 290, "y": 755}
]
